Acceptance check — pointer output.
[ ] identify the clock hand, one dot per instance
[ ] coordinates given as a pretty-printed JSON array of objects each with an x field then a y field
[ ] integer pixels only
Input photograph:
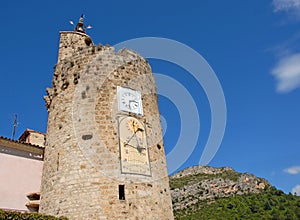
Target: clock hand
[
  {"x": 134, "y": 134},
  {"x": 132, "y": 103},
  {"x": 137, "y": 140},
  {"x": 139, "y": 147},
  {"x": 126, "y": 143}
]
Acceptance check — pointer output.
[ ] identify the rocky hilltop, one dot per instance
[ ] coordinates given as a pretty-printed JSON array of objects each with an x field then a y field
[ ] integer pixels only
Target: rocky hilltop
[
  {"x": 203, "y": 192},
  {"x": 199, "y": 183}
]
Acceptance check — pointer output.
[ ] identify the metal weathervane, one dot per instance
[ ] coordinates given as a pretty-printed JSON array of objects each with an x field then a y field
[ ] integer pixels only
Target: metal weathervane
[{"x": 80, "y": 27}]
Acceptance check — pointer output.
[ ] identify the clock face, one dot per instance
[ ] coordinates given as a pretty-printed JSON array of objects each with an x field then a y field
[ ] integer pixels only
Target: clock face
[
  {"x": 129, "y": 100},
  {"x": 133, "y": 147}
]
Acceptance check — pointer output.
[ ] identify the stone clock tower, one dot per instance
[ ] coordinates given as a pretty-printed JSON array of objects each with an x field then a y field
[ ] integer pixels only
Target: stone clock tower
[{"x": 104, "y": 155}]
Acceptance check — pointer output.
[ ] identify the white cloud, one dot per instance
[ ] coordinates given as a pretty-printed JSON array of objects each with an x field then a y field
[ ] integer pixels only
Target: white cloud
[
  {"x": 296, "y": 190},
  {"x": 287, "y": 73},
  {"x": 286, "y": 5},
  {"x": 293, "y": 170}
]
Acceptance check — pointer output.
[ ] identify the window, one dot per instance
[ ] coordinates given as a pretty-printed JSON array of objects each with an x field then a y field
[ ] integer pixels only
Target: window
[{"x": 122, "y": 192}]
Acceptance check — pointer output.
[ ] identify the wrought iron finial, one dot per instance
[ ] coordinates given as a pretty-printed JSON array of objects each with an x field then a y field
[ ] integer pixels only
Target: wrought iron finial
[{"x": 80, "y": 27}]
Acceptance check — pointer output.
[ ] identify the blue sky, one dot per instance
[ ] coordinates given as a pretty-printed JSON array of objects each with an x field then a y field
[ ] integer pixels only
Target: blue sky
[{"x": 252, "y": 46}]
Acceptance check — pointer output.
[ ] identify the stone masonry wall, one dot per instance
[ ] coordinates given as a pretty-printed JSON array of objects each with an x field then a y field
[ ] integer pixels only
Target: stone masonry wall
[{"x": 81, "y": 174}]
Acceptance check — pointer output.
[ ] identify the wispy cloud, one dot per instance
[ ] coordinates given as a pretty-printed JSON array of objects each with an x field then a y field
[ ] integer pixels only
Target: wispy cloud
[
  {"x": 287, "y": 69},
  {"x": 286, "y": 5},
  {"x": 287, "y": 73},
  {"x": 296, "y": 190},
  {"x": 293, "y": 170}
]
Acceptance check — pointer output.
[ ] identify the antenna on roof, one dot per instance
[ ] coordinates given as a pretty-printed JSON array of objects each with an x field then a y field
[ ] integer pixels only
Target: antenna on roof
[{"x": 15, "y": 126}]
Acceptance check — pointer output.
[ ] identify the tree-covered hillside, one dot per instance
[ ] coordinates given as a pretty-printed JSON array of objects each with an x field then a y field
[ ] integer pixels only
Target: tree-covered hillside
[
  {"x": 270, "y": 204},
  {"x": 224, "y": 194}
]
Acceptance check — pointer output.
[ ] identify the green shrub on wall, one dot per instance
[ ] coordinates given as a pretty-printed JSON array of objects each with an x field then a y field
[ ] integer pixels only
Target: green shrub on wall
[{"x": 26, "y": 216}]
